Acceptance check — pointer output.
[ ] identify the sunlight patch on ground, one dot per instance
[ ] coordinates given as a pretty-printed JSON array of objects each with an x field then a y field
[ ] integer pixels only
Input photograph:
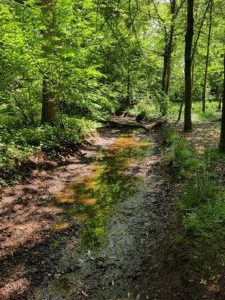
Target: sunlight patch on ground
[{"x": 89, "y": 197}]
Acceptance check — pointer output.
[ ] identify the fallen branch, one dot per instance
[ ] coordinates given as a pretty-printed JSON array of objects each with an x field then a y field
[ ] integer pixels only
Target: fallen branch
[{"x": 111, "y": 123}]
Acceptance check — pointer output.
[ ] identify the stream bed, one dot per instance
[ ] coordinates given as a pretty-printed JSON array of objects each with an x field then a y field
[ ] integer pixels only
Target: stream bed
[
  {"x": 92, "y": 226},
  {"x": 122, "y": 216}
]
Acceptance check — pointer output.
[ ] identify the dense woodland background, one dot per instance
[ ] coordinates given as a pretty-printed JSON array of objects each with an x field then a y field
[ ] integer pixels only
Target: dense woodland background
[{"x": 67, "y": 67}]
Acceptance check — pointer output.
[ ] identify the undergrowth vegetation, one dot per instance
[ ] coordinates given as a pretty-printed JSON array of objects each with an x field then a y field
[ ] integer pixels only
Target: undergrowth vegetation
[
  {"x": 16, "y": 145},
  {"x": 201, "y": 203},
  {"x": 212, "y": 112},
  {"x": 154, "y": 107}
]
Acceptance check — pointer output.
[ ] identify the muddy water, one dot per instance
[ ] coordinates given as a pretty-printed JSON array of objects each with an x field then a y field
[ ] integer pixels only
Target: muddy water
[
  {"x": 105, "y": 181},
  {"x": 116, "y": 199}
]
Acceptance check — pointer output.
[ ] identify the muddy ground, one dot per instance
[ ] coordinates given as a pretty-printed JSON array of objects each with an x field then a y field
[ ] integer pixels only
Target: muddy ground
[{"x": 49, "y": 251}]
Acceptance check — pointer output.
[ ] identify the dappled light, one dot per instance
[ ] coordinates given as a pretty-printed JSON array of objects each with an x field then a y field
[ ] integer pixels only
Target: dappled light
[
  {"x": 104, "y": 183},
  {"x": 112, "y": 150}
]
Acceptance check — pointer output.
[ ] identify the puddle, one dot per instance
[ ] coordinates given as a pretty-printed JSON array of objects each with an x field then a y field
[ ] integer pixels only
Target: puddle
[
  {"x": 108, "y": 226},
  {"x": 119, "y": 201},
  {"x": 109, "y": 178}
]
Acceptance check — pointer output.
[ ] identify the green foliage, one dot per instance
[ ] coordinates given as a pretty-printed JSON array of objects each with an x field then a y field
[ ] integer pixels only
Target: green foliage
[
  {"x": 203, "y": 207},
  {"x": 200, "y": 190},
  {"x": 181, "y": 157},
  {"x": 146, "y": 108},
  {"x": 16, "y": 145},
  {"x": 201, "y": 203},
  {"x": 211, "y": 113}
]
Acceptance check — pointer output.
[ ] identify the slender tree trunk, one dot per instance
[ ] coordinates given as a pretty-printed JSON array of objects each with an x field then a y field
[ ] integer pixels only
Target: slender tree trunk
[
  {"x": 129, "y": 96},
  {"x": 50, "y": 106},
  {"x": 164, "y": 75},
  {"x": 195, "y": 44},
  {"x": 180, "y": 112},
  {"x": 222, "y": 132},
  {"x": 207, "y": 58},
  {"x": 168, "y": 51},
  {"x": 129, "y": 90},
  {"x": 167, "y": 63},
  {"x": 219, "y": 99},
  {"x": 188, "y": 65}
]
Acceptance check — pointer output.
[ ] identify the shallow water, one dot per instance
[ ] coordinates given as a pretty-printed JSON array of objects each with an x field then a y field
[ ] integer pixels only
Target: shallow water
[
  {"x": 122, "y": 214},
  {"x": 89, "y": 197}
]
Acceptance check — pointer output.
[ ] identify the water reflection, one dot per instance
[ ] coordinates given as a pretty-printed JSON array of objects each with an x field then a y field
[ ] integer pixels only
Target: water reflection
[{"x": 90, "y": 197}]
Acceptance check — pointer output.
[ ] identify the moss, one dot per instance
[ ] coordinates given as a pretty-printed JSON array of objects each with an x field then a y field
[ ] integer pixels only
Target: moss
[{"x": 62, "y": 286}]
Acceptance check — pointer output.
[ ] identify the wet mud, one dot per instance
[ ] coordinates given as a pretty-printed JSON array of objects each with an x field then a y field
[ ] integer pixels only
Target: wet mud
[
  {"x": 96, "y": 227},
  {"x": 124, "y": 210}
]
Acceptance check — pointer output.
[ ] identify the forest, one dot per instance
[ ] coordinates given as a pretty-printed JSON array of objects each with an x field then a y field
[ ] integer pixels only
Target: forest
[{"x": 112, "y": 149}]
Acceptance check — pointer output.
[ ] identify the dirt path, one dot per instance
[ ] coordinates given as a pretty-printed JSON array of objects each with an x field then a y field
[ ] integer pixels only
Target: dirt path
[{"x": 90, "y": 229}]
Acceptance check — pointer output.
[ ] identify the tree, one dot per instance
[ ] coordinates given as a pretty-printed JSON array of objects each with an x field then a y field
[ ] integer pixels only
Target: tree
[
  {"x": 50, "y": 106},
  {"x": 222, "y": 132},
  {"x": 169, "y": 44},
  {"x": 207, "y": 57},
  {"x": 188, "y": 65},
  {"x": 168, "y": 50},
  {"x": 200, "y": 16}
]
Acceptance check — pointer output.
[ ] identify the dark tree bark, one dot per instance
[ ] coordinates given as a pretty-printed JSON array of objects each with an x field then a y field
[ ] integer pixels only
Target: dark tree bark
[
  {"x": 188, "y": 65},
  {"x": 200, "y": 29},
  {"x": 193, "y": 53},
  {"x": 198, "y": 34},
  {"x": 129, "y": 89},
  {"x": 207, "y": 58},
  {"x": 222, "y": 132},
  {"x": 167, "y": 63},
  {"x": 180, "y": 111},
  {"x": 50, "y": 105},
  {"x": 20, "y": 1},
  {"x": 169, "y": 50},
  {"x": 218, "y": 97}
]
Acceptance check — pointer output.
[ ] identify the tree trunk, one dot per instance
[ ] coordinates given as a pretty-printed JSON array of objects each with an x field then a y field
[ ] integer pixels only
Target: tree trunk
[
  {"x": 188, "y": 65},
  {"x": 50, "y": 108},
  {"x": 167, "y": 64},
  {"x": 50, "y": 105},
  {"x": 129, "y": 89},
  {"x": 180, "y": 112},
  {"x": 168, "y": 51},
  {"x": 198, "y": 34},
  {"x": 219, "y": 99},
  {"x": 164, "y": 75},
  {"x": 207, "y": 59},
  {"x": 222, "y": 132}
]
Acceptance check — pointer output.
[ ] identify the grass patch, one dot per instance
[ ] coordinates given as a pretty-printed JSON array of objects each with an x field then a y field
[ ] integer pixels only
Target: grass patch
[
  {"x": 201, "y": 204},
  {"x": 211, "y": 112},
  {"x": 183, "y": 160}
]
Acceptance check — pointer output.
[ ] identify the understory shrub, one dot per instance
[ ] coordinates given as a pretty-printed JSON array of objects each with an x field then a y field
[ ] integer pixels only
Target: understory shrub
[
  {"x": 146, "y": 107},
  {"x": 201, "y": 203},
  {"x": 48, "y": 137},
  {"x": 183, "y": 160},
  {"x": 17, "y": 144},
  {"x": 203, "y": 208}
]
